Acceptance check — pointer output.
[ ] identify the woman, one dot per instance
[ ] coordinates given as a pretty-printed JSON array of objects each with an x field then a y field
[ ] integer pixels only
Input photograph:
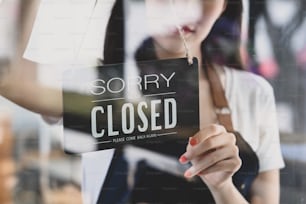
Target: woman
[{"x": 213, "y": 151}]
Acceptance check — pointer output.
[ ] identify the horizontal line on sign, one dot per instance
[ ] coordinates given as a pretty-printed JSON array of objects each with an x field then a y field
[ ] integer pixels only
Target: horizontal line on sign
[
  {"x": 103, "y": 142},
  {"x": 149, "y": 95},
  {"x": 160, "y": 94},
  {"x": 169, "y": 133},
  {"x": 110, "y": 99}
]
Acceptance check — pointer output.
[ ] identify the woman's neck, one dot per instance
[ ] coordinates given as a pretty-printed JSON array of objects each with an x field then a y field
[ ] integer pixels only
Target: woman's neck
[
  {"x": 162, "y": 53},
  {"x": 165, "y": 54}
]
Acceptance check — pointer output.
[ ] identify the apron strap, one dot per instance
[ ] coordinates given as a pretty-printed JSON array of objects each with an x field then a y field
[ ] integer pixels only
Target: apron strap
[{"x": 223, "y": 110}]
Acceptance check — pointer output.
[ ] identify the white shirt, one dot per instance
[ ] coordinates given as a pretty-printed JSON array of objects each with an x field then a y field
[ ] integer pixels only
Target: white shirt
[
  {"x": 250, "y": 97},
  {"x": 252, "y": 102}
]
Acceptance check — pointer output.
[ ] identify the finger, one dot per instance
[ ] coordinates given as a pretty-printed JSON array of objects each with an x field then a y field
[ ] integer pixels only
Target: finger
[
  {"x": 207, "y": 132},
  {"x": 211, "y": 143},
  {"x": 229, "y": 165},
  {"x": 208, "y": 160},
  {"x": 202, "y": 135}
]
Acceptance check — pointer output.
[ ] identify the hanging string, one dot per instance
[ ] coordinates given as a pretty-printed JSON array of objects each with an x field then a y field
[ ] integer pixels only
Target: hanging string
[{"x": 181, "y": 32}]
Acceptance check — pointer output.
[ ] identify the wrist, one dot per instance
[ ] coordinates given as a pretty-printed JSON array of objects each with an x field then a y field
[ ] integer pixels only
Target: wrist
[
  {"x": 227, "y": 193},
  {"x": 226, "y": 187}
]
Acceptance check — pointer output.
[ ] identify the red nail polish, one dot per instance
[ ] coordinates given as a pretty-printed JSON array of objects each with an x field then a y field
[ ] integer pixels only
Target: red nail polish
[
  {"x": 183, "y": 159},
  {"x": 193, "y": 141}
]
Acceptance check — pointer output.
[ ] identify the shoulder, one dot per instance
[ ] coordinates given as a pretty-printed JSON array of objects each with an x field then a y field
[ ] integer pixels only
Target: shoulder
[{"x": 249, "y": 83}]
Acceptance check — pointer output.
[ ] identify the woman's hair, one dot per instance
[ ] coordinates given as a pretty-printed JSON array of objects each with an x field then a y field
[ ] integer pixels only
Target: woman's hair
[
  {"x": 114, "y": 36},
  {"x": 221, "y": 46}
]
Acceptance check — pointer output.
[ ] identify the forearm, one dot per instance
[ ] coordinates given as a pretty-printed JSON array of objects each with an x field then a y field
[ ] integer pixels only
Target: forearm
[
  {"x": 265, "y": 189},
  {"x": 30, "y": 94},
  {"x": 228, "y": 193}
]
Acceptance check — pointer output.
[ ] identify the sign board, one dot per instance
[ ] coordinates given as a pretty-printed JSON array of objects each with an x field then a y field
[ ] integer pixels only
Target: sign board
[{"x": 111, "y": 109}]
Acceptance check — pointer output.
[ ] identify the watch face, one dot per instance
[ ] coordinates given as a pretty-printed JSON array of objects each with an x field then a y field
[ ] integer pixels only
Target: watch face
[{"x": 107, "y": 106}]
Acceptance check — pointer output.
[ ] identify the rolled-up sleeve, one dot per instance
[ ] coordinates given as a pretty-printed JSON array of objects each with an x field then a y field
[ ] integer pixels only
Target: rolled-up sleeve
[{"x": 269, "y": 151}]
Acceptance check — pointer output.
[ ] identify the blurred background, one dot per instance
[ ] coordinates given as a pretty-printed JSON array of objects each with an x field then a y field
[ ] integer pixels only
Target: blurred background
[{"x": 33, "y": 167}]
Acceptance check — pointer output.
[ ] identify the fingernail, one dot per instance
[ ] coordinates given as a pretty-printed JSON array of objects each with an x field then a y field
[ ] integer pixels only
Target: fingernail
[
  {"x": 192, "y": 141},
  {"x": 188, "y": 174},
  {"x": 183, "y": 159}
]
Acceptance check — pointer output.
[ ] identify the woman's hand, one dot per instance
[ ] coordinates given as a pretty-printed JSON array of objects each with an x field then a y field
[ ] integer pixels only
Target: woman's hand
[{"x": 214, "y": 156}]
